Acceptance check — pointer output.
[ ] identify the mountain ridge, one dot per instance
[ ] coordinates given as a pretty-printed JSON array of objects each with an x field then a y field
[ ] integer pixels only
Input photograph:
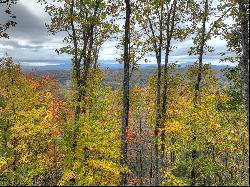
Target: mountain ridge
[{"x": 59, "y": 65}]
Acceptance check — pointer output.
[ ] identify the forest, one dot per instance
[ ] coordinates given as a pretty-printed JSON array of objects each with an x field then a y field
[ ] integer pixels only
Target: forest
[{"x": 165, "y": 126}]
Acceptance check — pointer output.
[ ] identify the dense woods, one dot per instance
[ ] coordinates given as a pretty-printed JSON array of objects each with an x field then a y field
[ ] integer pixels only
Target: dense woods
[{"x": 178, "y": 128}]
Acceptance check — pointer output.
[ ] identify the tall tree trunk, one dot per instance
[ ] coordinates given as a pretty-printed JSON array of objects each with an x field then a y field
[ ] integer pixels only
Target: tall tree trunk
[
  {"x": 77, "y": 77},
  {"x": 158, "y": 123},
  {"x": 158, "y": 153},
  {"x": 87, "y": 65},
  {"x": 158, "y": 54},
  {"x": 198, "y": 81},
  {"x": 169, "y": 38},
  {"x": 244, "y": 62},
  {"x": 201, "y": 52},
  {"x": 170, "y": 29},
  {"x": 125, "y": 113},
  {"x": 76, "y": 62},
  {"x": 84, "y": 54}
]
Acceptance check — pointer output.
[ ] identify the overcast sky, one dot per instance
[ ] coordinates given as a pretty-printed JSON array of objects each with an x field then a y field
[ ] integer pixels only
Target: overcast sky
[{"x": 31, "y": 43}]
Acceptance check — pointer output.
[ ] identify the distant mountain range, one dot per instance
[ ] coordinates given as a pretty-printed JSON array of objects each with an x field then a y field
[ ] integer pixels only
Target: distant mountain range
[{"x": 59, "y": 65}]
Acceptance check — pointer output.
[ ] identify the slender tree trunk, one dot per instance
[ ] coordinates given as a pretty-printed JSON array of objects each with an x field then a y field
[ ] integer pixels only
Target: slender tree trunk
[
  {"x": 244, "y": 63},
  {"x": 169, "y": 38},
  {"x": 87, "y": 66},
  {"x": 84, "y": 54},
  {"x": 96, "y": 57},
  {"x": 165, "y": 86},
  {"x": 201, "y": 53},
  {"x": 88, "y": 58},
  {"x": 158, "y": 53},
  {"x": 125, "y": 113},
  {"x": 158, "y": 152},
  {"x": 170, "y": 29},
  {"x": 198, "y": 82},
  {"x": 76, "y": 62},
  {"x": 158, "y": 123}
]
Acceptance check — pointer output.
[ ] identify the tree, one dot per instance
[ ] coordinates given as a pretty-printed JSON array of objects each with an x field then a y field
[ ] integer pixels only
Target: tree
[
  {"x": 244, "y": 62},
  {"x": 151, "y": 20},
  {"x": 161, "y": 22},
  {"x": 175, "y": 30},
  {"x": 87, "y": 26},
  {"x": 205, "y": 33},
  {"x": 125, "y": 113},
  {"x": 219, "y": 128},
  {"x": 95, "y": 161},
  {"x": 30, "y": 125},
  {"x": 236, "y": 34}
]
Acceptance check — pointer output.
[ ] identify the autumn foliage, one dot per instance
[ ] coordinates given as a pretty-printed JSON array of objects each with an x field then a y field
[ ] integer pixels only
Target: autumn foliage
[{"x": 183, "y": 127}]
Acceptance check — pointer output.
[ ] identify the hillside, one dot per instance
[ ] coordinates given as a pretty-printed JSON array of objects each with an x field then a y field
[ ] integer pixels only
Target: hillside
[{"x": 113, "y": 76}]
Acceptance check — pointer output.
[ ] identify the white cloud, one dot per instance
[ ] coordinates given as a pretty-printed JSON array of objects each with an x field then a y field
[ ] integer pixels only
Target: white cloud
[
  {"x": 38, "y": 64},
  {"x": 5, "y": 47}
]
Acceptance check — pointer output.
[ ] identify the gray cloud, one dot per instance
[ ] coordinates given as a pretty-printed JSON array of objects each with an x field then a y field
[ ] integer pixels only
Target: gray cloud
[
  {"x": 29, "y": 26},
  {"x": 29, "y": 39}
]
